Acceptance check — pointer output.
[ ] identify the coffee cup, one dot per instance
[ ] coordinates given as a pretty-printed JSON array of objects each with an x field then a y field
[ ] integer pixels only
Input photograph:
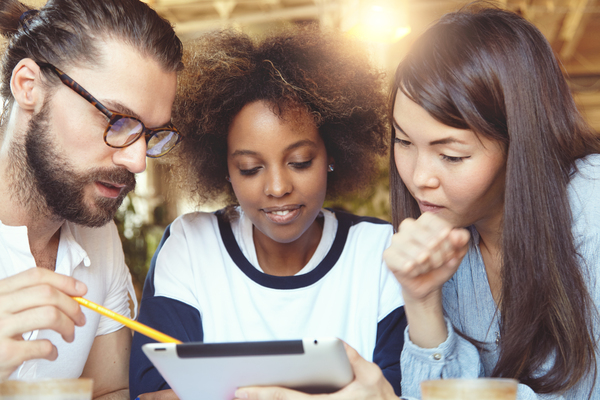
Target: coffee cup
[
  {"x": 469, "y": 389},
  {"x": 47, "y": 389}
]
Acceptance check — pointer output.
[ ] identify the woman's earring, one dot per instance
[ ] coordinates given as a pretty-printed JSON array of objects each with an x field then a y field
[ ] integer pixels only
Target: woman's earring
[
  {"x": 227, "y": 178},
  {"x": 330, "y": 167}
]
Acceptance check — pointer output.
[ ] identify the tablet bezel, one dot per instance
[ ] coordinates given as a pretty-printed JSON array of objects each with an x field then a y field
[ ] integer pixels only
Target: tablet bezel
[{"x": 213, "y": 371}]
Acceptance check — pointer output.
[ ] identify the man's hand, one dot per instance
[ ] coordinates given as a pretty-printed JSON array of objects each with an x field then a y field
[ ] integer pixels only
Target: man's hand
[
  {"x": 31, "y": 300},
  {"x": 369, "y": 383}
]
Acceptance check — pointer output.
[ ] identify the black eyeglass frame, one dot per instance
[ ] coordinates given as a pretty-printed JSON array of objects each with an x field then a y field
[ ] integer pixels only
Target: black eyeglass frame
[{"x": 114, "y": 116}]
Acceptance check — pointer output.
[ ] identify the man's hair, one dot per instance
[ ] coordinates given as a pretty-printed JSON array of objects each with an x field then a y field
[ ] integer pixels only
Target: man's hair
[
  {"x": 66, "y": 32},
  {"x": 322, "y": 74},
  {"x": 493, "y": 72}
]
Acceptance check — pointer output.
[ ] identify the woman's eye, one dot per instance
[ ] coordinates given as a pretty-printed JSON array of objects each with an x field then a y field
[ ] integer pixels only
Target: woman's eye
[
  {"x": 451, "y": 159},
  {"x": 250, "y": 171},
  {"x": 301, "y": 165},
  {"x": 403, "y": 143}
]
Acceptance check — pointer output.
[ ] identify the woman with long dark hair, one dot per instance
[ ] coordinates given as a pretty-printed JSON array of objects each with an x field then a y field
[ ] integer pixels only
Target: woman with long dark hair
[{"x": 496, "y": 195}]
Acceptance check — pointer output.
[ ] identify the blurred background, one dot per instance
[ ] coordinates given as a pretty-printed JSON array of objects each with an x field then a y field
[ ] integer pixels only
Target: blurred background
[{"x": 388, "y": 27}]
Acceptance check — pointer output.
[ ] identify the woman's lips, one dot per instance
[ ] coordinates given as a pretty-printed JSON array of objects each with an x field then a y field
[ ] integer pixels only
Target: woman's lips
[
  {"x": 282, "y": 215},
  {"x": 429, "y": 207}
]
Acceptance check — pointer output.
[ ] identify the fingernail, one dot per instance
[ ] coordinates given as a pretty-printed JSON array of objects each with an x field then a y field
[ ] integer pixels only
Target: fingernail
[{"x": 240, "y": 394}]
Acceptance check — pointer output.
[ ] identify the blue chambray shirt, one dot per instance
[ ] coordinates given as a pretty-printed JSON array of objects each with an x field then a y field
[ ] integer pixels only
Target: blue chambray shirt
[{"x": 469, "y": 305}]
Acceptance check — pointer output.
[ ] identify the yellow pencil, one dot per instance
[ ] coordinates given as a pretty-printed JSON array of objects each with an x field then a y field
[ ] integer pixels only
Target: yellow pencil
[{"x": 128, "y": 322}]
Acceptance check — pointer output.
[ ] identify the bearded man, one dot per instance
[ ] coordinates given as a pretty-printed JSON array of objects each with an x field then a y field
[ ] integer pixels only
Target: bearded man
[{"x": 88, "y": 88}]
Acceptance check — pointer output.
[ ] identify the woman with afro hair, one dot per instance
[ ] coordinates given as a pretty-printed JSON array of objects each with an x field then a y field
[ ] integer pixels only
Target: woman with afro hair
[{"x": 275, "y": 127}]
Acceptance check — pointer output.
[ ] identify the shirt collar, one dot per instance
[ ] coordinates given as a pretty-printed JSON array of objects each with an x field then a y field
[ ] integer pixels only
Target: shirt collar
[
  {"x": 70, "y": 253},
  {"x": 14, "y": 245}
]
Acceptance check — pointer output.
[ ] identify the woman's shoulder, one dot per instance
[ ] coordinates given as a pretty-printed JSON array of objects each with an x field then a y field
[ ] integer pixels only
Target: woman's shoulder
[
  {"x": 365, "y": 234},
  {"x": 195, "y": 217},
  {"x": 587, "y": 168},
  {"x": 584, "y": 193},
  {"x": 353, "y": 219},
  {"x": 196, "y": 222}
]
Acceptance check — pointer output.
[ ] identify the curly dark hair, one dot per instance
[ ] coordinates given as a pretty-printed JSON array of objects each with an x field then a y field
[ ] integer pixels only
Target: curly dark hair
[{"x": 327, "y": 75}]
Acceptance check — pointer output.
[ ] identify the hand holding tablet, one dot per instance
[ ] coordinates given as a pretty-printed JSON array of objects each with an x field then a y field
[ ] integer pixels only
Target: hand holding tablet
[{"x": 368, "y": 383}]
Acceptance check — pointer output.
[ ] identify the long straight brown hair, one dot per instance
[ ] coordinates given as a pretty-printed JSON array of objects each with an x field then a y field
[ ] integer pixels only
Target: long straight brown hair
[{"x": 492, "y": 72}]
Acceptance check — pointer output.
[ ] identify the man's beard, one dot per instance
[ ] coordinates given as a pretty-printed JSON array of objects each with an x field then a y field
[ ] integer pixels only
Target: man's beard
[{"x": 48, "y": 186}]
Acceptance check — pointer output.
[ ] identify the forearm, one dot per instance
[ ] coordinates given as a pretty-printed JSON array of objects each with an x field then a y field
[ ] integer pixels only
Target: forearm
[
  {"x": 122, "y": 394},
  {"x": 426, "y": 324}
]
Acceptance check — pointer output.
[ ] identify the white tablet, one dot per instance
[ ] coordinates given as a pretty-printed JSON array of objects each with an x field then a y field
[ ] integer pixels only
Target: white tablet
[{"x": 213, "y": 371}]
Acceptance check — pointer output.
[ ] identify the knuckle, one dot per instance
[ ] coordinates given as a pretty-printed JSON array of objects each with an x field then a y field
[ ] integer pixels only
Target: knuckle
[
  {"x": 47, "y": 293},
  {"x": 45, "y": 348},
  {"x": 406, "y": 223},
  {"x": 404, "y": 267},
  {"x": 50, "y": 315},
  {"x": 388, "y": 255},
  {"x": 6, "y": 351},
  {"x": 36, "y": 274}
]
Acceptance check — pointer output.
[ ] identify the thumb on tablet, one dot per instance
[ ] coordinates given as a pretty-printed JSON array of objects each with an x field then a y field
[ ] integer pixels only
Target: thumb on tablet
[
  {"x": 365, "y": 372},
  {"x": 369, "y": 382}
]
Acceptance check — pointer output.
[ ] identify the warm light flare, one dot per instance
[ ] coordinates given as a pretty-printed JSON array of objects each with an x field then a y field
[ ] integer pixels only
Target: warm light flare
[{"x": 382, "y": 22}]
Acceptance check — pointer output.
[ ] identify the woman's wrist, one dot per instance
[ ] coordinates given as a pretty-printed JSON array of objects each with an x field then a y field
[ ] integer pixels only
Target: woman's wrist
[{"x": 426, "y": 323}]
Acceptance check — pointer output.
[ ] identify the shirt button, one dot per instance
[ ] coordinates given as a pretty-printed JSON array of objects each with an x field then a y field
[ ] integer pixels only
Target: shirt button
[{"x": 437, "y": 356}]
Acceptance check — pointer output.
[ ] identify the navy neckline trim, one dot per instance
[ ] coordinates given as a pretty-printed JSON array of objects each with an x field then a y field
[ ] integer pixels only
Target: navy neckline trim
[
  {"x": 345, "y": 221},
  {"x": 149, "y": 289}
]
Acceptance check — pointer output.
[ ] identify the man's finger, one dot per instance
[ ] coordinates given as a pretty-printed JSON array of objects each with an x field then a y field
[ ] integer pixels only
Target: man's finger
[
  {"x": 46, "y": 317},
  {"x": 41, "y": 296},
  {"x": 16, "y": 352},
  {"x": 37, "y": 276}
]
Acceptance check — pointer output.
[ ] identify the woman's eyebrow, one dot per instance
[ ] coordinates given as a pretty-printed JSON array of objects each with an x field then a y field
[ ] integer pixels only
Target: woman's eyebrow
[
  {"x": 447, "y": 140},
  {"x": 301, "y": 143},
  {"x": 397, "y": 127},
  {"x": 244, "y": 153}
]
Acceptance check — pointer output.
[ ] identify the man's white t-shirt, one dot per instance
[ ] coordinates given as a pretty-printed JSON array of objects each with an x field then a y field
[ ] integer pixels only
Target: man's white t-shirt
[{"x": 91, "y": 255}]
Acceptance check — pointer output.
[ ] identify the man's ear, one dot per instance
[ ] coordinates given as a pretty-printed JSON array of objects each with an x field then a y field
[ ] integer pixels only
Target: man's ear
[{"x": 25, "y": 85}]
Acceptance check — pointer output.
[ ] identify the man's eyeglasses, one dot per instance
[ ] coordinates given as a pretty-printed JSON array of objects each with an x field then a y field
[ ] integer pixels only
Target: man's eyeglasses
[{"x": 123, "y": 130}]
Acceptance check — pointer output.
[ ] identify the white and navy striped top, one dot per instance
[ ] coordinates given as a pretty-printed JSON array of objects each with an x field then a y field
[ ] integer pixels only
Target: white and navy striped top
[{"x": 205, "y": 284}]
